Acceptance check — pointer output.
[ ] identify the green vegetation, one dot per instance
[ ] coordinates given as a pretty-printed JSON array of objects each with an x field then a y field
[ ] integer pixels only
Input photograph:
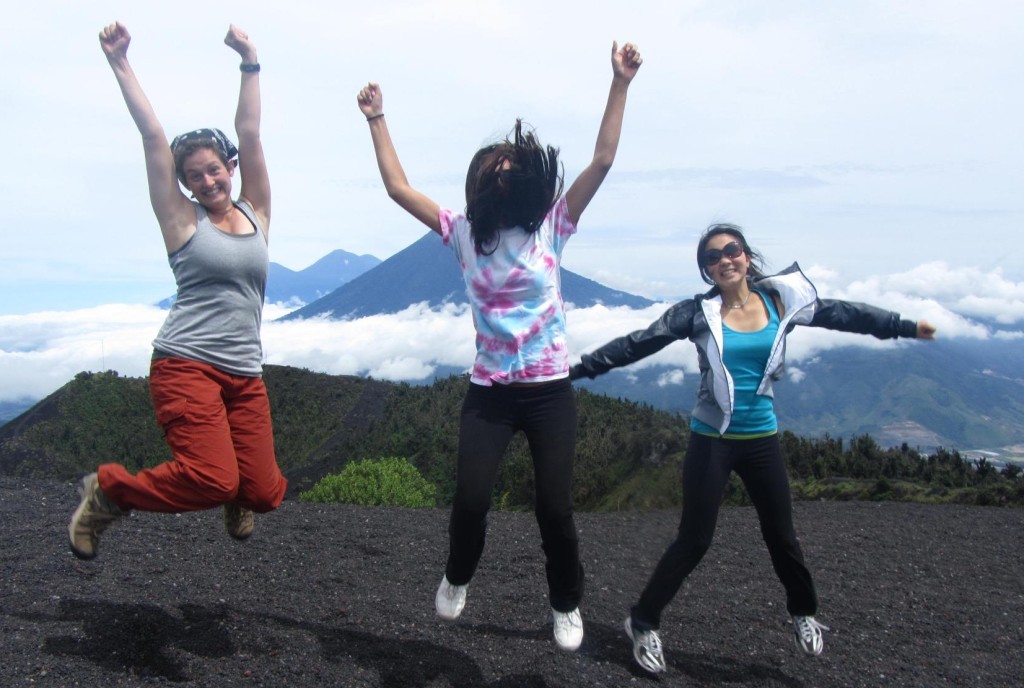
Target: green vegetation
[
  {"x": 375, "y": 482},
  {"x": 95, "y": 418},
  {"x": 629, "y": 455},
  {"x": 823, "y": 469}
]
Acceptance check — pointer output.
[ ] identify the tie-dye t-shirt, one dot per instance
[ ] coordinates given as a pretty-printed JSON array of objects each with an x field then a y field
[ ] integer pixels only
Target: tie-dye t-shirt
[{"x": 515, "y": 294}]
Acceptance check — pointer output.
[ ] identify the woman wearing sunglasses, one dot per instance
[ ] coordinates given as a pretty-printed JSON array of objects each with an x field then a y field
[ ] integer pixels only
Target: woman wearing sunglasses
[{"x": 739, "y": 328}]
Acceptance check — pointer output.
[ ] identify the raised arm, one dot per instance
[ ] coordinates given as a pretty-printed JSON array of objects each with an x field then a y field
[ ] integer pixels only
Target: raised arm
[
  {"x": 371, "y": 104},
  {"x": 252, "y": 165},
  {"x": 625, "y": 64},
  {"x": 173, "y": 210}
]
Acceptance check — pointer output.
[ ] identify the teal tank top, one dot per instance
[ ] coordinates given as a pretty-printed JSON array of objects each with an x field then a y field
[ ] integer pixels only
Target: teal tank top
[{"x": 745, "y": 355}]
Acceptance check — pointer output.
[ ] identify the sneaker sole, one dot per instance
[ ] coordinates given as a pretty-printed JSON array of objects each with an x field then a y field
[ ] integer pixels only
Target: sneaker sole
[
  {"x": 81, "y": 554},
  {"x": 241, "y": 537},
  {"x": 804, "y": 651}
]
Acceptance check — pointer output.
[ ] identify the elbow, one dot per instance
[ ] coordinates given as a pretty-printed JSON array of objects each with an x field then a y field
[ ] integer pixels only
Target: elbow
[
  {"x": 398, "y": 190},
  {"x": 602, "y": 162},
  {"x": 247, "y": 131}
]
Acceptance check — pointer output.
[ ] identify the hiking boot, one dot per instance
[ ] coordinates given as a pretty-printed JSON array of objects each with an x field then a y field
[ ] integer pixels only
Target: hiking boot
[
  {"x": 238, "y": 521},
  {"x": 646, "y": 648},
  {"x": 568, "y": 629},
  {"x": 807, "y": 633},
  {"x": 450, "y": 599},
  {"x": 94, "y": 514}
]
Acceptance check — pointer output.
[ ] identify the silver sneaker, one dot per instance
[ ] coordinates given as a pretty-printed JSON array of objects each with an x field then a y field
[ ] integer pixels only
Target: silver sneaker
[
  {"x": 568, "y": 629},
  {"x": 450, "y": 599},
  {"x": 646, "y": 648},
  {"x": 807, "y": 634}
]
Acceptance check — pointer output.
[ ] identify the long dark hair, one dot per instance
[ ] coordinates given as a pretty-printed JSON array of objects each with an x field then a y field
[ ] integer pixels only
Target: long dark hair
[
  {"x": 756, "y": 268},
  {"x": 512, "y": 183}
]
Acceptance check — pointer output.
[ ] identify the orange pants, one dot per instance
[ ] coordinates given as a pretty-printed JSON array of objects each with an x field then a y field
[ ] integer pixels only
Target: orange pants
[{"x": 218, "y": 428}]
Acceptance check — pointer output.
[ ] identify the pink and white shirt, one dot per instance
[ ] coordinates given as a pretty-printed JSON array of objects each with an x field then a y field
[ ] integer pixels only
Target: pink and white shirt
[{"x": 515, "y": 294}]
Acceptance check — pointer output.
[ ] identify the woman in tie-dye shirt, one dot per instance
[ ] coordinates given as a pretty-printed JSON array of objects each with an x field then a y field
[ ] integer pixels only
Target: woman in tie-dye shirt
[{"x": 509, "y": 243}]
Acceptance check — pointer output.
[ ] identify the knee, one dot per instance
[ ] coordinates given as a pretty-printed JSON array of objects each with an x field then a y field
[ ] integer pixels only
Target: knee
[
  {"x": 691, "y": 544},
  {"x": 471, "y": 504},
  {"x": 556, "y": 519},
  {"x": 264, "y": 498},
  {"x": 776, "y": 538},
  {"x": 215, "y": 486}
]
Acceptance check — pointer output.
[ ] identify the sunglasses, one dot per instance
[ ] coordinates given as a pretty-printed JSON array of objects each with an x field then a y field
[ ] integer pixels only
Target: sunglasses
[{"x": 730, "y": 250}]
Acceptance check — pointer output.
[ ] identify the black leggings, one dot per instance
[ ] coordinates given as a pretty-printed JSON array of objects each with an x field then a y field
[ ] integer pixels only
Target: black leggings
[
  {"x": 546, "y": 414},
  {"x": 706, "y": 468}
]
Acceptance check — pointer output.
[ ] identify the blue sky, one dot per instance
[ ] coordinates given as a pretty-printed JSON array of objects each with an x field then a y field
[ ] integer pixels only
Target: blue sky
[{"x": 877, "y": 143}]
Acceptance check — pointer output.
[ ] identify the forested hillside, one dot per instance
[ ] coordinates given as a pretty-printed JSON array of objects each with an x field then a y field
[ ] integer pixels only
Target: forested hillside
[{"x": 629, "y": 454}]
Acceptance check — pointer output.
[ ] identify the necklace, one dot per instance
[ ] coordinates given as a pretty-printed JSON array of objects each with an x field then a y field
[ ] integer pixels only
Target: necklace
[{"x": 739, "y": 305}]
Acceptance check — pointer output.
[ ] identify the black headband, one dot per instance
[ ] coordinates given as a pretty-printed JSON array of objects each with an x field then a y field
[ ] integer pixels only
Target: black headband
[{"x": 222, "y": 142}]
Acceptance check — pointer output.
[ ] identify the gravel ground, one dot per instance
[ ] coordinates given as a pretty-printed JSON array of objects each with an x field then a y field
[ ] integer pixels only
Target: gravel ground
[{"x": 343, "y": 596}]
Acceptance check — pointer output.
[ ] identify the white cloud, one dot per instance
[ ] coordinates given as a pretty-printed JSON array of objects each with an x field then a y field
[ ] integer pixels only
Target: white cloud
[
  {"x": 795, "y": 374},
  {"x": 405, "y": 345},
  {"x": 672, "y": 377},
  {"x": 39, "y": 352}
]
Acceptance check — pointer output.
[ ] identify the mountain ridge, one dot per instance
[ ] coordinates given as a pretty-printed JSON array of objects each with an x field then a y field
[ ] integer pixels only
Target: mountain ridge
[{"x": 426, "y": 270}]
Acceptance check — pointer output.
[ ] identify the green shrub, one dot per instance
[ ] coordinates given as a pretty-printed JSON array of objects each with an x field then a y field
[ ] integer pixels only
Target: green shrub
[{"x": 375, "y": 482}]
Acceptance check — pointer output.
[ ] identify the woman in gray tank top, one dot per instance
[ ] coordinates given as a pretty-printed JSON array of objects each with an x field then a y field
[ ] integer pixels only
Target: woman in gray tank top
[{"x": 206, "y": 375}]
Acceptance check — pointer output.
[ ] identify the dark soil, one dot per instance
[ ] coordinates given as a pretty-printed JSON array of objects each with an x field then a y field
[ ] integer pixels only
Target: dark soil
[{"x": 343, "y": 596}]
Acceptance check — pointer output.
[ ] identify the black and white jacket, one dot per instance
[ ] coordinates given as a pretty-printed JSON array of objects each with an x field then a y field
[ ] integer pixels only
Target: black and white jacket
[{"x": 699, "y": 319}]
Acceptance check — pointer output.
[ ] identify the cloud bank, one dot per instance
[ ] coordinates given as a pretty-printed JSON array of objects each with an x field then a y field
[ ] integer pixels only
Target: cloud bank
[{"x": 39, "y": 352}]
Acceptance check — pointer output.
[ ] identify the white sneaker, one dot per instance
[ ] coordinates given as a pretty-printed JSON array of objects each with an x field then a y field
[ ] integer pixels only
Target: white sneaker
[
  {"x": 450, "y": 599},
  {"x": 568, "y": 629},
  {"x": 807, "y": 633},
  {"x": 646, "y": 648}
]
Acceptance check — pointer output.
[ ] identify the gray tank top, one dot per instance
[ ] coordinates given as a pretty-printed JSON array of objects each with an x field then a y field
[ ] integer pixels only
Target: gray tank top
[{"x": 216, "y": 315}]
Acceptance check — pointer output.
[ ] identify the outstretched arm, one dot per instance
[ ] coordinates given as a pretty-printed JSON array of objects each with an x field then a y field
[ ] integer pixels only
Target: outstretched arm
[
  {"x": 862, "y": 318},
  {"x": 173, "y": 211},
  {"x": 252, "y": 165},
  {"x": 625, "y": 64},
  {"x": 675, "y": 324},
  {"x": 371, "y": 104}
]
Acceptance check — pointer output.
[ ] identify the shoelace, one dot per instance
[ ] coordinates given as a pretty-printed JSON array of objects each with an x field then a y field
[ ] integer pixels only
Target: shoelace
[
  {"x": 567, "y": 621},
  {"x": 452, "y": 592},
  {"x": 808, "y": 625},
  {"x": 570, "y": 620}
]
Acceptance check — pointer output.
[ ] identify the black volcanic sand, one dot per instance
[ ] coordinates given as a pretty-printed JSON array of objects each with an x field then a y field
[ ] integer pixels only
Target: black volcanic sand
[{"x": 343, "y": 596}]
